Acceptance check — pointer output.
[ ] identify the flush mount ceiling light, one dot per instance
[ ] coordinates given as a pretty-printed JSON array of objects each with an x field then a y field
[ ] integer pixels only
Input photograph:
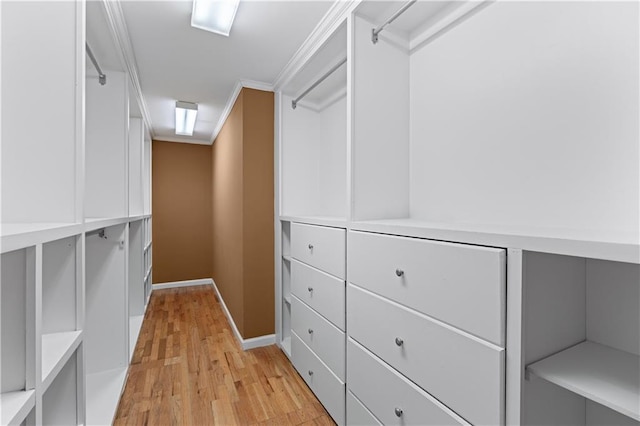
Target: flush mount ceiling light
[
  {"x": 214, "y": 15},
  {"x": 186, "y": 113}
]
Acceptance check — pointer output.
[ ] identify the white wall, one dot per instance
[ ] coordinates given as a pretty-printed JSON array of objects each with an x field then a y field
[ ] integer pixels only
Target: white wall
[
  {"x": 332, "y": 160},
  {"x": 106, "y": 167},
  {"x": 527, "y": 114},
  {"x": 381, "y": 120},
  {"x": 38, "y": 112}
]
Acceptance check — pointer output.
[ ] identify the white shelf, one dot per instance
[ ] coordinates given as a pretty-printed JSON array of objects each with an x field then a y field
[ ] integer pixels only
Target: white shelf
[
  {"x": 286, "y": 257},
  {"x": 146, "y": 247},
  {"x": 93, "y": 223},
  {"x": 621, "y": 247},
  {"x": 287, "y": 300},
  {"x": 331, "y": 221},
  {"x": 135, "y": 325},
  {"x": 17, "y": 236},
  {"x": 15, "y": 406},
  {"x": 602, "y": 374},
  {"x": 146, "y": 275},
  {"x": 57, "y": 348},
  {"x": 103, "y": 393}
]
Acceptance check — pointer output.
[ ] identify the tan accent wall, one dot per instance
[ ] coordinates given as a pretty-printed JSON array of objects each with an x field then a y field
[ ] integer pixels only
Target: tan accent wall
[
  {"x": 242, "y": 213},
  {"x": 181, "y": 211}
]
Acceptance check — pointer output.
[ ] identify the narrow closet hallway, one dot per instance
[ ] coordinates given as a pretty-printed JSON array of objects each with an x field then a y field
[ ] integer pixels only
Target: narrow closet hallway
[{"x": 188, "y": 369}]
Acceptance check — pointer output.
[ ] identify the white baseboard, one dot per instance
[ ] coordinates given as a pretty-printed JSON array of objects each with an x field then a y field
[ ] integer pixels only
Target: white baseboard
[
  {"x": 254, "y": 342},
  {"x": 187, "y": 283}
]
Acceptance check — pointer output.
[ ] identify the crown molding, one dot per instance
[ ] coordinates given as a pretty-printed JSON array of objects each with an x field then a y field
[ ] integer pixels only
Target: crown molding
[
  {"x": 257, "y": 85},
  {"x": 227, "y": 110},
  {"x": 120, "y": 34},
  {"x": 335, "y": 16},
  {"x": 179, "y": 139}
]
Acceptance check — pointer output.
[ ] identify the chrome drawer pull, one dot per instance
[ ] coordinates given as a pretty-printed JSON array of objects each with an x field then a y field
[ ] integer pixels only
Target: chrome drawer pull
[
  {"x": 399, "y": 272},
  {"x": 310, "y": 246},
  {"x": 310, "y": 373},
  {"x": 310, "y": 331},
  {"x": 399, "y": 341},
  {"x": 398, "y": 411}
]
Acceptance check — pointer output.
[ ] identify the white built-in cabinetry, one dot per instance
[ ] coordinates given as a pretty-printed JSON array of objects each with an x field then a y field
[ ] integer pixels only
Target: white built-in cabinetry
[
  {"x": 75, "y": 230},
  {"x": 490, "y": 193}
]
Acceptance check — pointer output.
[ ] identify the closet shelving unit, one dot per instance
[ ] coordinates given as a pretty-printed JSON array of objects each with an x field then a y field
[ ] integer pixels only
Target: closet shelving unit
[
  {"x": 462, "y": 129},
  {"x": 66, "y": 292},
  {"x": 313, "y": 157}
]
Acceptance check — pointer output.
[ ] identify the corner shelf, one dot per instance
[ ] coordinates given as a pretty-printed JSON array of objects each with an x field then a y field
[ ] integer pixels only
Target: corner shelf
[
  {"x": 16, "y": 406},
  {"x": 599, "y": 373},
  {"x": 57, "y": 348}
]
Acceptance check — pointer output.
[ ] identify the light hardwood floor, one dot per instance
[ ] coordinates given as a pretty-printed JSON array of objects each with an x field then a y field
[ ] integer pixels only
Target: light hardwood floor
[{"x": 188, "y": 369}]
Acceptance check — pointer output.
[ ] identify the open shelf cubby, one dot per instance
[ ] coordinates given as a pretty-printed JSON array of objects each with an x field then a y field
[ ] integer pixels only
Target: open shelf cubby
[
  {"x": 106, "y": 338},
  {"x": 581, "y": 340},
  {"x": 62, "y": 400},
  {"x": 137, "y": 300},
  {"x": 313, "y": 139},
  {"x": 458, "y": 121},
  {"x": 17, "y": 288}
]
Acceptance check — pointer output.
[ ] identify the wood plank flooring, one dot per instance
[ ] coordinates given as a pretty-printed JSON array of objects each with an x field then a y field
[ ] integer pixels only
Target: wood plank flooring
[{"x": 188, "y": 369}]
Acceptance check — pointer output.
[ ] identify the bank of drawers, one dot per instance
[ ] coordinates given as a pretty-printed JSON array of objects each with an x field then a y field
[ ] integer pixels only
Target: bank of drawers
[
  {"x": 318, "y": 339},
  {"x": 429, "y": 314},
  {"x": 390, "y": 397}
]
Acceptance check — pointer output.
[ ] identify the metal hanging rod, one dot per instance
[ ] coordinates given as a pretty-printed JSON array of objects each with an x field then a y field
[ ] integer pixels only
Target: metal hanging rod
[
  {"x": 294, "y": 102},
  {"x": 378, "y": 30},
  {"x": 102, "y": 78}
]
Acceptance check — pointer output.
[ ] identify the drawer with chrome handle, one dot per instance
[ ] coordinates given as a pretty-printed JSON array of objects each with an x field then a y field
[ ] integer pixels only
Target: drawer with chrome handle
[
  {"x": 321, "y": 291},
  {"x": 325, "y": 339},
  {"x": 329, "y": 389},
  {"x": 462, "y": 371},
  {"x": 320, "y": 246},
  {"x": 461, "y": 285},
  {"x": 389, "y": 396}
]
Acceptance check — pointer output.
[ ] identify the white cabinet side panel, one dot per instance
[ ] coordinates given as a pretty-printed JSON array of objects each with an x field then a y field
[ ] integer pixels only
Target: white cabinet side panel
[
  {"x": 38, "y": 111},
  {"x": 105, "y": 337},
  {"x": 613, "y": 304},
  {"x": 527, "y": 114},
  {"x": 554, "y": 311},
  {"x": 381, "y": 127}
]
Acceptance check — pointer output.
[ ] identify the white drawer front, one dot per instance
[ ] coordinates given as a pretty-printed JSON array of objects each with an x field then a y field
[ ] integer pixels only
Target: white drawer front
[
  {"x": 383, "y": 391},
  {"x": 358, "y": 414},
  {"x": 319, "y": 246},
  {"x": 463, "y": 372},
  {"x": 327, "y": 387},
  {"x": 458, "y": 284},
  {"x": 325, "y": 339},
  {"x": 323, "y": 292}
]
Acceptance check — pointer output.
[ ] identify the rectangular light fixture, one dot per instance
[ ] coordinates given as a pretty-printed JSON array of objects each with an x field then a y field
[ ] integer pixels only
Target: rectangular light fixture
[
  {"x": 214, "y": 15},
  {"x": 186, "y": 113}
]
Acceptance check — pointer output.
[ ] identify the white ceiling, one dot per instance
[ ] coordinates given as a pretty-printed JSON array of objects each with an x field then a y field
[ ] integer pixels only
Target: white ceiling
[{"x": 178, "y": 62}]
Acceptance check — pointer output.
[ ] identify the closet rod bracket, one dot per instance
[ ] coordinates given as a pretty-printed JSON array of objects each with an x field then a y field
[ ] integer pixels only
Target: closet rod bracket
[{"x": 378, "y": 30}]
